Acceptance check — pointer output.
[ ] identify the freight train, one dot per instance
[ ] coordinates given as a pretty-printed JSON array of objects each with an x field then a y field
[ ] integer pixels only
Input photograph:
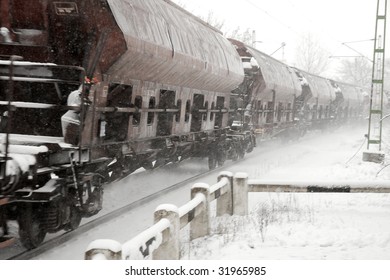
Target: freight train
[{"x": 92, "y": 90}]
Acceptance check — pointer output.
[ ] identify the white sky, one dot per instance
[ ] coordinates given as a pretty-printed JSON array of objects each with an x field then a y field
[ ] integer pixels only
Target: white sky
[{"x": 277, "y": 21}]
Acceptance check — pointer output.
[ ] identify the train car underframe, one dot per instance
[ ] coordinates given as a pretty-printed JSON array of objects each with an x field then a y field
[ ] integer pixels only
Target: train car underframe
[{"x": 217, "y": 145}]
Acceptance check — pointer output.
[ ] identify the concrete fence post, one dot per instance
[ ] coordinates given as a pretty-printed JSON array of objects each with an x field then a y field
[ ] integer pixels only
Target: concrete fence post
[
  {"x": 169, "y": 250},
  {"x": 104, "y": 249},
  {"x": 200, "y": 225},
  {"x": 240, "y": 194},
  {"x": 225, "y": 202}
]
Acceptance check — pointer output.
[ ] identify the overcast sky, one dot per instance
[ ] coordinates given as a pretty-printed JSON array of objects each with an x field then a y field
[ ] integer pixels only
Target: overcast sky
[{"x": 277, "y": 21}]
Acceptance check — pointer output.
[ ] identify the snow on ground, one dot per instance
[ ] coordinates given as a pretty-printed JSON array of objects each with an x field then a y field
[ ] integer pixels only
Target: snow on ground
[{"x": 306, "y": 226}]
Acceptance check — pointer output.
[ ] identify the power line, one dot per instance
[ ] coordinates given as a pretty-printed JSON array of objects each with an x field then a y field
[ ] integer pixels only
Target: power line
[
  {"x": 345, "y": 44},
  {"x": 271, "y": 16},
  {"x": 360, "y": 41},
  {"x": 321, "y": 28},
  {"x": 310, "y": 20}
]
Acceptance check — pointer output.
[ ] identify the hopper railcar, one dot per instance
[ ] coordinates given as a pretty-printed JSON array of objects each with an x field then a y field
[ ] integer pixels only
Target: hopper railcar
[
  {"x": 284, "y": 101},
  {"x": 144, "y": 83},
  {"x": 92, "y": 90}
]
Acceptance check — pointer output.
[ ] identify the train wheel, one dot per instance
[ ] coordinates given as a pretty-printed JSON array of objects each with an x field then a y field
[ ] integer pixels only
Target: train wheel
[
  {"x": 240, "y": 150},
  {"x": 241, "y": 153},
  {"x": 250, "y": 146},
  {"x": 148, "y": 165},
  {"x": 93, "y": 199},
  {"x": 221, "y": 158},
  {"x": 160, "y": 162},
  {"x": 74, "y": 220},
  {"x": 115, "y": 172},
  {"x": 234, "y": 155},
  {"x": 212, "y": 161},
  {"x": 175, "y": 159},
  {"x": 31, "y": 230}
]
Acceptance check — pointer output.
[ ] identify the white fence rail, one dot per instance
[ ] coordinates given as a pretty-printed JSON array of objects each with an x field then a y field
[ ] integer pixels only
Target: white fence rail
[{"x": 162, "y": 240}]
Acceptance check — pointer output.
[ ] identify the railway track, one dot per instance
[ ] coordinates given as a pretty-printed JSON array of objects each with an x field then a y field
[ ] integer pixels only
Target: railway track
[
  {"x": 56, "y": 240},
  {"x": 60, "y": 239}
]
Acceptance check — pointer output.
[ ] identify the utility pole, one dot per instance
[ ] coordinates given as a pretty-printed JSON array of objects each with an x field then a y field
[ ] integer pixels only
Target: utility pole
[{"x": 374, "y": 135}]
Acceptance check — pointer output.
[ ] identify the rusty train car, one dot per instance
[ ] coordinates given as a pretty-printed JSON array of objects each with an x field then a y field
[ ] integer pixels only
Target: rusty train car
[
  {"x": 144, "y": 83},
  {"x": 92, "y": 90}
]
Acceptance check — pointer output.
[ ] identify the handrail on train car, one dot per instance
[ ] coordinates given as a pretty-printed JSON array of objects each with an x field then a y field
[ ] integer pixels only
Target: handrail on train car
[
  {"x": 16, "y": 70},
  {"x": 10, "y": 94},
  {"x": 41, "y": 72}
]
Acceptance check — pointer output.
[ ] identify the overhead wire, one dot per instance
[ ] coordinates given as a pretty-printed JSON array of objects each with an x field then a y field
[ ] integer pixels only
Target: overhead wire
[
  {"x": 271, "y": 16},
  {"x": 287, "y": 25},
  {"x": 310, "y": 20},
  {"x": 312, "y": 23},
  {"x": 365, "y": 139}
]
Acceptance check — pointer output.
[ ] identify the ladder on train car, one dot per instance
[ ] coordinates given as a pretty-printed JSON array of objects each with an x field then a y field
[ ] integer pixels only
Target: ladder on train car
[{"x": 377, "y": 86}]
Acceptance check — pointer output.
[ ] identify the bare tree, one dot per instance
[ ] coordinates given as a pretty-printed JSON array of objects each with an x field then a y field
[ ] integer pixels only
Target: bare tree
[
  {"x": 310, "y": 55},
  {"x": 213, "y": 20},
  {"x": 243, "y": 36},
  {"x": 357, "y": 71}
]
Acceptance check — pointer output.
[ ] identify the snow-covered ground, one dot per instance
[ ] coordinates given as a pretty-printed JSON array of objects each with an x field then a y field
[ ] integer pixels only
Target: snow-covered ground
[
  {"x": 305, "y": 225},
  {"x": 280, "y": 226}
]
